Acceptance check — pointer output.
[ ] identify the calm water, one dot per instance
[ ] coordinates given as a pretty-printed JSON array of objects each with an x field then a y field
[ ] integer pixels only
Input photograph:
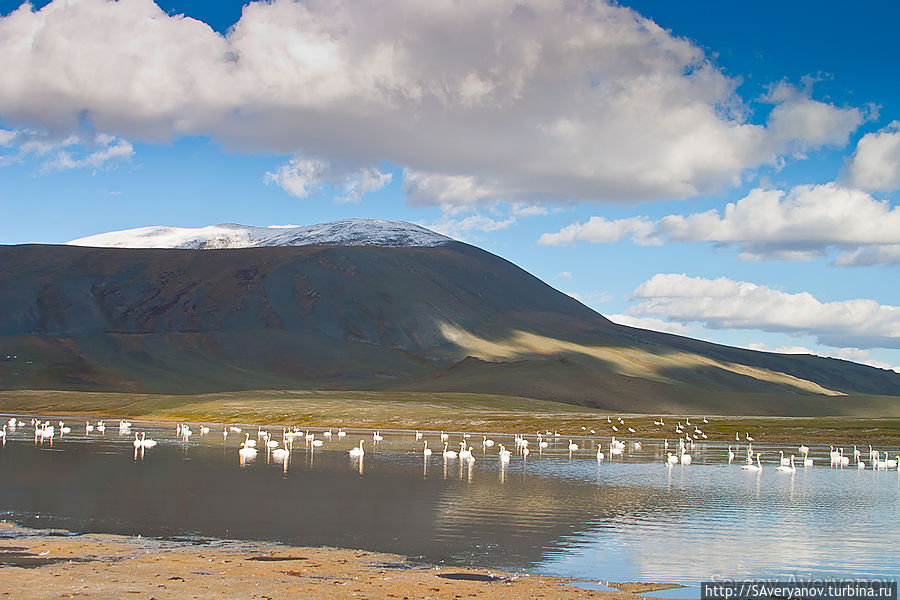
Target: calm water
[{"x": 628, "y": 518}]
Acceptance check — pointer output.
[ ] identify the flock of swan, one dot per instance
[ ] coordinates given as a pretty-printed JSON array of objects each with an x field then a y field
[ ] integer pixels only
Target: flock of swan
[{"x": 463, "y": 450}]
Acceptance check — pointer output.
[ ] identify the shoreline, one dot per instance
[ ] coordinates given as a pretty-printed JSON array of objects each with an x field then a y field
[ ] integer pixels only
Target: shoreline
[
  {"x": 448, "y": 412},
  {"x": 56, "y": 563}
]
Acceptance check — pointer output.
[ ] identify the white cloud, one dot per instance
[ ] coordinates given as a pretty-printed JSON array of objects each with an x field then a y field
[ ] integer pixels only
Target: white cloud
[
  {"x": 302, "y": 177},
  {"x": 6, "y": 137},
  {"x": 564, "y": 275},
  {"x": 477, "y": 100},
  {"x": 461, "y": 228},
  {"x": 800, "y": 123},
  {"x": 727, "y": 304},
  {"x": 365, "y": 181},
  {"x": 525, "y": 210},
  {"x": 299, "y": 177},
  {"x": 111, "y": 149},
  {"x": 852, "y": 354},
  {"x": 806, "y": 222},
  {"x": 96, "y": 151},
  {"x": 876, "y": 163},
  {"x": 651, "y": 323},
  {"x": 886, "y": 254},
  {"x": 601, "y": 231}
]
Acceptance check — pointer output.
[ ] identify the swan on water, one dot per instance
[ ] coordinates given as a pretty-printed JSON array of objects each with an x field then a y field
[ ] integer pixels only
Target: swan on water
[
  {"x": 751, "y": 467},
  {"x": 788, "y": 468},
  {"x": 448, "y": 453},
  {"x": 357, "y": 450}
]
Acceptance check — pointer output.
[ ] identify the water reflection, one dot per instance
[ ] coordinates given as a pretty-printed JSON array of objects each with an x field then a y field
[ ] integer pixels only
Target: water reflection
[{"x": 554, "y": 510}]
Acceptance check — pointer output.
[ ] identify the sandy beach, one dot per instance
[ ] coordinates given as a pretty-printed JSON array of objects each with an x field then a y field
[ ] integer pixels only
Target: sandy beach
[{"x": 37, "y": 564}]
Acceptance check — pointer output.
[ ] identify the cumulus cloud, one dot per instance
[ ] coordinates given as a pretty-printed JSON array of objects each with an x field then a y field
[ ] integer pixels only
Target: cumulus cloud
[
  {"x": 564, "y": 275},
  {"x": 598, "y": 230},
  {"x": 727, "y": 304},
  {"x": 462, "y": 228},
  {"x": 477, "y": 100},
  {"x": 302, "y": 177},
  {"x": 799, "y": 123},
  {"x": 97, "y": 151},
  {"x": 887, "y": 254},
  {"x": 806, "y": 222},
  {"x": 876, "y": 163}
]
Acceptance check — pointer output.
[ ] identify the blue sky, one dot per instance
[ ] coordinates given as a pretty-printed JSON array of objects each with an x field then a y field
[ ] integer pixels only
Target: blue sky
[{"x": 597, "y": 146}]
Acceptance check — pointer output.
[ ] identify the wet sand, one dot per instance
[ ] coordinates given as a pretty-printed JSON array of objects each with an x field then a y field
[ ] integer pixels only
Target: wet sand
[{"x": 37, "y": 564}]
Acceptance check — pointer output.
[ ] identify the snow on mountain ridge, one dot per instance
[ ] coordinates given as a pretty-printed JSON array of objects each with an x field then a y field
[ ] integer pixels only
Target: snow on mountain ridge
[{"x": 348, "y": 232}]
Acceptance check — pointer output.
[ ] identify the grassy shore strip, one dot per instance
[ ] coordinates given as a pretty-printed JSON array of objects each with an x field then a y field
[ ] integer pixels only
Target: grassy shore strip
[
  {"x": 435, "y": 411},
  {"x": 95, "y": 566}
]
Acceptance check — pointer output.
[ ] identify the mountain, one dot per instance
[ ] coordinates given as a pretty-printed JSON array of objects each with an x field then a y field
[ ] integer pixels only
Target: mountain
[
  {"x": 370, "y": 306},
  {"x": 349, "y": 232}
]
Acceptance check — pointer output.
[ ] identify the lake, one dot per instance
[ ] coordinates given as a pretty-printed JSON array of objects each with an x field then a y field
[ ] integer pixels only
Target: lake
[{"x": 626, "y": 518}]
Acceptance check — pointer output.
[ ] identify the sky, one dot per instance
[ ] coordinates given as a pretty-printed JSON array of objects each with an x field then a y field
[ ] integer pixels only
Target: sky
[{"x": 723, "y": 170}]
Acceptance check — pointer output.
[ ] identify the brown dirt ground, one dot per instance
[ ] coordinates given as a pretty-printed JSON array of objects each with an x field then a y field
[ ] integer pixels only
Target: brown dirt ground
[{"x": 113, "y": 567}]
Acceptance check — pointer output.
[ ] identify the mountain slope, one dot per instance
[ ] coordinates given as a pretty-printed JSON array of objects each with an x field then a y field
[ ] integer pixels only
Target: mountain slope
[
  {"x": 370, "y": 317},
  {"x": 348, "y": 232}
]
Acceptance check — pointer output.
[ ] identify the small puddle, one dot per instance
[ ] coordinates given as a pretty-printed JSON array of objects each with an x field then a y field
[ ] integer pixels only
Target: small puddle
[
  {"x": 17, "y": 556},
  {"x": 592, "y": 585},
  {"x": 471, "y": 577}
]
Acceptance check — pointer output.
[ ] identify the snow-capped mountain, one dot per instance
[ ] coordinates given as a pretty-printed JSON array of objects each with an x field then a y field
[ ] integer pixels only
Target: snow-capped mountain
[{"x": 348, "y": 232}]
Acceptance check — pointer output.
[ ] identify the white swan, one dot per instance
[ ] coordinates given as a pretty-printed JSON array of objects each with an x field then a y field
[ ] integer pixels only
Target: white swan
[
  {"x": 504, "y": 454},
  {"x": 486, "y": 442},
  {"x": 788, "y": 468},
  {"x": 730, "y": 454},
  {"x": 376, "y": 437},
  {"x": 844, "y": 460},
  {"x": 464, "y": 454},
  {"x": 341, "y": 433},
  {"x": 572, "y": 446},
  {"x": 600, "y": 455},
  {"x": 685, "y": 458},
  {"x": 426, "y": 451},
  {"x": 444, "y": 436},
  {"x": 357, "y": 450},
  {"x": 751, "y": 467},
  {"x": 783, "y": 461},
  {"x": 248, "y": 443},
  {"x": 246, "y": 453},
  {"x": 280, "y": 454},
  {"x": 671, "y": 459},
  {"x": 327, "y": 434},
  {"x": 88, "y": 427},
  {"x": 448, "y": 453},
  {"x": 147, "y": 443}
]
